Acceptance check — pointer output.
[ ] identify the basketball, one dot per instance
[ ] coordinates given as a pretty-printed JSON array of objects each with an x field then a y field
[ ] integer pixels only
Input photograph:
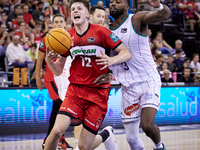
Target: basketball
[{"x": 58, "y": 40}]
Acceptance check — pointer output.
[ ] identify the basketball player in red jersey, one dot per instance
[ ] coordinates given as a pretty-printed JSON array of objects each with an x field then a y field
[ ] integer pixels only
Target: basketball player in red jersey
[
  {"x": 58, "y": 22},
  {"x": 85, "y": 102}
]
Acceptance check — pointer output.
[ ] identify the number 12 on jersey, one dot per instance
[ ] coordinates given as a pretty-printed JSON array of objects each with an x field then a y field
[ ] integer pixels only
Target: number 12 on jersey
[{"x": 86, "y": 61}]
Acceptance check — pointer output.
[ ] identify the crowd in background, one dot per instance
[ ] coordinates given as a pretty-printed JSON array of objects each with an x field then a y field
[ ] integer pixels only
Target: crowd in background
[{"x": 23, "y": 23}]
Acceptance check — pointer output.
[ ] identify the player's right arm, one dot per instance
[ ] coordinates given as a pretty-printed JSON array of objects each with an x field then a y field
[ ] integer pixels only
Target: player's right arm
[
  {"x": 143, "y": 18},
  {"x": 39, "y": 82},
  {"x": 55, "y": 67}
]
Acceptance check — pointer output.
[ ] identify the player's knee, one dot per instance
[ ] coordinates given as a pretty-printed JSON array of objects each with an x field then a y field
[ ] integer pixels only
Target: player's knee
[
  {"x": 147, "y": 128},
  {"x": 83, "y": 146},
  {"x": 56, "y": 133}
]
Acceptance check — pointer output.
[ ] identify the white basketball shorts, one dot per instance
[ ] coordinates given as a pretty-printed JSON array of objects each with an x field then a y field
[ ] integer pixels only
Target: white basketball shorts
[{"x": 138, "y": 96}]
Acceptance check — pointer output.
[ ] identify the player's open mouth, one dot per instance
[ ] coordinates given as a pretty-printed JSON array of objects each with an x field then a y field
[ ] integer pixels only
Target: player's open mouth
[{"x": 76, "y": 17}]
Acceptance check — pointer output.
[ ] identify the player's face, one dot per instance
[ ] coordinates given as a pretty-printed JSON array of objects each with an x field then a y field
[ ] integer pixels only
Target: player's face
[
  {"x": 117, "y": 8},
  {"x": 98, "y": 17},
  {"x": 59, "y": 22},
  {"x": 79, "y": 13}
]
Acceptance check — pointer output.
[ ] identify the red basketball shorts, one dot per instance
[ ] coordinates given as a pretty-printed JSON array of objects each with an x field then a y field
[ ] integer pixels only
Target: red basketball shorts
[
  {"x": 52, "y": 89},
  {"x": 86, "y": 105}
]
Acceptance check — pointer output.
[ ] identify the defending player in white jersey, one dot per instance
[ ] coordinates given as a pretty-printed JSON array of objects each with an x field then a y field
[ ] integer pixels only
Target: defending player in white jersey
[{"x": 139, "y": 78}]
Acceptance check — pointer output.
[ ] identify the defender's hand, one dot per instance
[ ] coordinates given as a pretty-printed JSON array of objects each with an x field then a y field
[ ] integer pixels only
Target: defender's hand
[{"x": 103, "y": 79}]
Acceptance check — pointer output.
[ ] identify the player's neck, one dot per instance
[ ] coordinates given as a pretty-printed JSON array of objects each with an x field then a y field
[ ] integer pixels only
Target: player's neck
[
  {"x": 80, "y": 29},
  {"x": 117, "y": 22}
]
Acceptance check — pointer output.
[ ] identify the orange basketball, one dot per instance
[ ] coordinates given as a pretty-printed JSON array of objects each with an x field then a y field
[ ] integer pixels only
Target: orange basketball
[{"x": 58, "y": 40}]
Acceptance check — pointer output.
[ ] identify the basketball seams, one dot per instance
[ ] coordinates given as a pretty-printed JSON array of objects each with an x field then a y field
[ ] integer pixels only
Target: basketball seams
[
  {"x": 58, "y": 41},
  {"x": 64, "y": 34},
  {"x": 49, "y": 42}
]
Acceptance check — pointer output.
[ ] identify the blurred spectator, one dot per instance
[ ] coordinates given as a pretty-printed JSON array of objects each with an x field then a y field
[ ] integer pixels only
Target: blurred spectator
[
  {"x": 17, "y": 22},
  {"x": 13, "y": 15},
  {"x": 27, "y": 16},
  {"x": 177, "y": 60},
  {"x": 65, "y": 9},
  {"x": 32, "y": 52},
  {"x": 181, "y": 5},
  {"x": 24, "y": 38},
  {"x": 166, "y": 76},
  {"x": 178, "y": 46},
  {"x": 171, "y": 65},
  {"x": 186, "y": 76},
  {"x": 4, "y": 6},
  {"x": 69, "y": 20},
  {"x": 45, "y": 24},
  {"x": 35, "y": 37},
  {"x": 46, "y": 5},
  {"x": 190, "y": 2},
  {"x": 195, "y": 61},
  {"x": 155, "y": 51},
  {"x": 197, "y": 12},
  {"x": 16, "y": 54},
  {"x": 13, "y": 3},
  {"x": 197, "y": 77},
  {"x": 107, "y": 17},
  {"x": 159, "y": 60},
  {"x": 172, "y": 5},
  {"x": 189, "y": 17},
  {"x": 100, "y": 3},
  {"x": 186, "y": 63},
  {"x": 161, "y": 44},
  {"x": 68, "y": 27},
  {"x": 33, "y": 78},
  {"x": 11, "y": 33},
  {"x": 150, "y": 39},
  {"x": 47, "y": 12},
  {"x": 164, "y": 66},
  {"x": 31, "y": 5},
  {"x": 4, "y": 39},
  {"x": 97, "y": 15},
  {"x": 38, "y": 15},
  {"x": 54, "y": 8},
  {"x": 3, "y": 20}
]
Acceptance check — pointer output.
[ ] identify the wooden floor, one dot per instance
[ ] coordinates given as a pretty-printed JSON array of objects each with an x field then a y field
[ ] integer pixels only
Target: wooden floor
[{"x": 174, "y": 140}]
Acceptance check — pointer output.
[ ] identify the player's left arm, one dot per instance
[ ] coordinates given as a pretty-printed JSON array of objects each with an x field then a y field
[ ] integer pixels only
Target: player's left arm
[
  {"x": 55, "y": 67},
  {"x": 123, "y": 55}
]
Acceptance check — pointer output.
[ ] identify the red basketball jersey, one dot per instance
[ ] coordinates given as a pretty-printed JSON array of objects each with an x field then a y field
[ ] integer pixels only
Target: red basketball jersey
[
  {"x": 84, "y": 48},
  {"x": 48, "y": 76}
]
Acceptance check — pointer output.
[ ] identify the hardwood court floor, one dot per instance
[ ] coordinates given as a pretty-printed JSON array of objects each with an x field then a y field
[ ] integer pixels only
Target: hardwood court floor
[{"x": 174, "y": 140}]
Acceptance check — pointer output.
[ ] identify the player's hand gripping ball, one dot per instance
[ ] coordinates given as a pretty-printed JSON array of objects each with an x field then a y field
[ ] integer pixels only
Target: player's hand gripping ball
[{"x": 58, "y": 40}]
